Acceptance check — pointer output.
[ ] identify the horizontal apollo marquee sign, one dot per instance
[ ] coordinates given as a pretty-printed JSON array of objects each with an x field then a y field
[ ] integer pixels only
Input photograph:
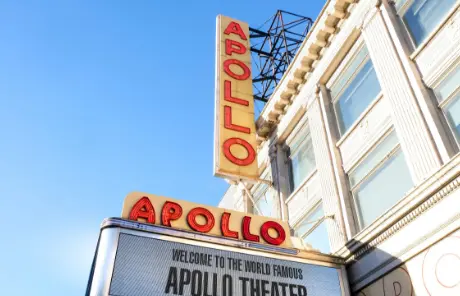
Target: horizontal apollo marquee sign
[
  {"x": 214, "y": 221},
  {"x": 235, "y": 134}
]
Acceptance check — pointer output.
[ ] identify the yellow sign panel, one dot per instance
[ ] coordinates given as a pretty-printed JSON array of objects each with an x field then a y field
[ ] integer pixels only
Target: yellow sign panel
[
  {"x": 214, "y": 221},
  {"x": 235, "y": 134}
]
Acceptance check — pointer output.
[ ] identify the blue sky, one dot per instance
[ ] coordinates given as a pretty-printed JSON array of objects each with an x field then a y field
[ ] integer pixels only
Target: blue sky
[{"x": 99, "y": 98}]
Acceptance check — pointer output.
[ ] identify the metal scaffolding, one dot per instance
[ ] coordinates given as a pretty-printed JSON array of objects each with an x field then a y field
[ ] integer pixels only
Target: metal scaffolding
[{"x": 273, "y": 47}]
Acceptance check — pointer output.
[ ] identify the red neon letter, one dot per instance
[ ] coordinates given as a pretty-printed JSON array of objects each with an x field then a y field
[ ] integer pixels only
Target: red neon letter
[
  {"x": 228, "y": 122},
  {"x": 225, "y": 226},
  {"x": 266, "y": 236},
  {"x": 191, "y": 219},
  {"x": 170, "y": 211},
  {"x": 232, "y": 46},
  {"x": 228, "y": 94},
  {"x": 239, "y": 161},
  {"x": 247, "y": 235},
  {"x": 235, "y": 29},
  {"x": 143, "y": 209},
  {"x": 246, "y": 71}
]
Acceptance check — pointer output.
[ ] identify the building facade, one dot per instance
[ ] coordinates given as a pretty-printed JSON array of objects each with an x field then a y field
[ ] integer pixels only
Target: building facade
[{"x": 361, "y": 142}]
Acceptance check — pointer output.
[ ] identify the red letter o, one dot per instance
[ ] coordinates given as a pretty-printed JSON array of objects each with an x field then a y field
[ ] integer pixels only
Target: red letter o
[
  {"x": 266, "y": 236},
  {"x": 191, "y": 219},
  {"x": 242, "y": 162},
  {"x": 246, "y": 71}
]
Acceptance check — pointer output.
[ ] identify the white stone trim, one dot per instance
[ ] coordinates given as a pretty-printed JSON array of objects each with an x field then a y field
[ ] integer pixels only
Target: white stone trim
[
  {"x": 442, "y": 51},
  {"x": 435, "y": 121},
  {"x": 354, "y": 155},
  {"x": 341, "y": 180},
  {"x": 350, "y": 56},
  {"x": 300, "y": 201},
  {"x": 330, "y": 197},
  {"x": 360, "y": 119},
  {"x": 415, "y": 137}
]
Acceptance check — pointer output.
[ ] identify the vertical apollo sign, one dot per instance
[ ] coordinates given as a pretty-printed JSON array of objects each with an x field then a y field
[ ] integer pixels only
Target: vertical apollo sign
[{"x": 235, "y": 135}]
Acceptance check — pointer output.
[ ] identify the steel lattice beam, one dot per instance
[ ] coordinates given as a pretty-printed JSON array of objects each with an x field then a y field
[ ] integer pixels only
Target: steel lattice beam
[{"x": 273, "y": 47}]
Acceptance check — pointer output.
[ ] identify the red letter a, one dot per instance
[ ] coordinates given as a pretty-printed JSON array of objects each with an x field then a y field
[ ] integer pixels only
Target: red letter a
[
  {"x": 143, "y": 209},
  {"x": 235, "y": 29}
]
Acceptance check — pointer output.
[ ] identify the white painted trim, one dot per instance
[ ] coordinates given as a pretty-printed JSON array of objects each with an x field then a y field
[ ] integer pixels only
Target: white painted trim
[
  {"x": 371, "y": 145},
  {"x": 300, "y": 129},
  {"x": 314, "y": 200},
  {"x": 314, "y": 206},
  {"x": 346, "y": 210},
  {"x": 359, "y": 119},
  {"x": 443, "y": 70},
  {"x": 345, "y": 63},
  {"x": 363, "y": 151},
  {"x": 302, "y": 185}
]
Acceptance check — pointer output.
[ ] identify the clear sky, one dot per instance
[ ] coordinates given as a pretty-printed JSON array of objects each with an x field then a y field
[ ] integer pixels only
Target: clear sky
[{"x": 99, "y": 98}]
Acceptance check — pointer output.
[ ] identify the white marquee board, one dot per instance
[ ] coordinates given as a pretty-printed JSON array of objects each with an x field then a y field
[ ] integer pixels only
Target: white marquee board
[{"x": 133, "y": 263}]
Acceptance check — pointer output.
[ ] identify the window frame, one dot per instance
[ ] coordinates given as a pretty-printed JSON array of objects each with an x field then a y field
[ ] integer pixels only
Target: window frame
[
  {"x": 377, "y": 166},
  {"x": 416, "y": 49},
  {"x": 352, "y": 189},
  {"x": 346, "y": 67},
  {"x": 455, "y": 66},
  {"x": 302, "y": 132},
  {"x": 401, "y": 11},
  {"x": 341, "y": 69},
  {"x": 312, "y": 209}
]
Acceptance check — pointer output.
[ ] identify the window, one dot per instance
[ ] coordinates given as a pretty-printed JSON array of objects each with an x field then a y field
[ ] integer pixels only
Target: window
[
  {"x": 380, "y": 180},
  {"x": 302, "y": 159},
  {"x": 355, "y": 89},
  {"x": 313, "y": 231},
  {"x": 448, "y": 95},
  {"x": 266, "y": 202},
  {"x": 423, "y": 16}
]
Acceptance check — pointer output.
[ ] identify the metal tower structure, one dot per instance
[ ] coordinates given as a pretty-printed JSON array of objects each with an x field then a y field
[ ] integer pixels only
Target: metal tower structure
[{"x": 273, "y": 47}]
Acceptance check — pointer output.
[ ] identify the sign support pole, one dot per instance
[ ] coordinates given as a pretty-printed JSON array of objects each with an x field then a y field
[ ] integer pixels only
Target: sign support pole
[{"x": 248, "y": 193}]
